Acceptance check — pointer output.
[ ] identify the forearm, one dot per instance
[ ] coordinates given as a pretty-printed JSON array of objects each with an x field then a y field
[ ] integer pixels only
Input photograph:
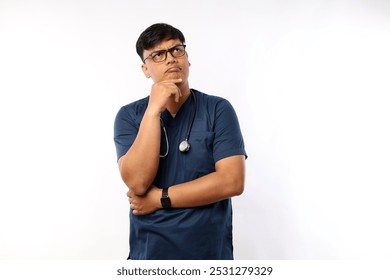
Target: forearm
[
  {"x": 138, "y": 167},
  {"x": 216, "y": 186}
]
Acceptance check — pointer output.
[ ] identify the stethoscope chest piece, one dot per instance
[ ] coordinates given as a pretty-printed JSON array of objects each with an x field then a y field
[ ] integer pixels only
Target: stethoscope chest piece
[{"x": 184, "y": 146}]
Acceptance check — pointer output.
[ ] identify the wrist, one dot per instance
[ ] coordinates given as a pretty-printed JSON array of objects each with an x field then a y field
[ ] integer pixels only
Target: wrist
[{"x": 151, "y": 113}]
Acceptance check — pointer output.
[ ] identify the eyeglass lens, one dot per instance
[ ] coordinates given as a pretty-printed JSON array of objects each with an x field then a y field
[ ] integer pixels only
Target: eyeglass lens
[{"x": 176, "y": 51}]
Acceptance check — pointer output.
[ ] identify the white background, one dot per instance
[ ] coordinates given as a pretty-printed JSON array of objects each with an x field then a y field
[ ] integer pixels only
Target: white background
[{"x": 309, "y": 81}]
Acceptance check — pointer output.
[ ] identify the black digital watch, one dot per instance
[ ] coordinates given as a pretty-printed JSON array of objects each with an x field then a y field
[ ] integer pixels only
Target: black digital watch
[{"x": 165, "y": 200}]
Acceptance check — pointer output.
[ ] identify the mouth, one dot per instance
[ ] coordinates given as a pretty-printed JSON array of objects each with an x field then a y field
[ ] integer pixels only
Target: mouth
[{"x": 173, "y": 69}]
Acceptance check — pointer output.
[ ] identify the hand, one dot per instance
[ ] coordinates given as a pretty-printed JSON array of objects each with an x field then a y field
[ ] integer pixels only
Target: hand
[
  {"x": 161, "y": 93},
  {"x": 147, "y": 203}
]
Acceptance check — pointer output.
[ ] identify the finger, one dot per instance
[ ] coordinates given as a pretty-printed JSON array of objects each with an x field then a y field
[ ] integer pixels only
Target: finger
[
  {"x": 137, "y": 212},
  {"x": 174, "y": 92},
  {"x": 177, "y": 95},
  {"x": 134, "y": 206}
]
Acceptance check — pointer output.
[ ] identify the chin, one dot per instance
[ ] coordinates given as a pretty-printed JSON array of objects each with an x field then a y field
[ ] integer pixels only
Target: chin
[{"x": 173, "y": 76}]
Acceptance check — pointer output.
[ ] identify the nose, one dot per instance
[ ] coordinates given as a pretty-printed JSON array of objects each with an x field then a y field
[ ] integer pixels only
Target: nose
[{"x": 170, "y": 58}]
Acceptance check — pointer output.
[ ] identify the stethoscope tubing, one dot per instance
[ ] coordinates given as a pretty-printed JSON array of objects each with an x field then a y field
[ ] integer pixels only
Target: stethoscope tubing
[{"x": 184, "y": 145}]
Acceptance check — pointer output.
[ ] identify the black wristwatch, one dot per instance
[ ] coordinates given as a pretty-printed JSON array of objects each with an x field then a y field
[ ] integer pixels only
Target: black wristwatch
[{"x": 165, "y": 200}]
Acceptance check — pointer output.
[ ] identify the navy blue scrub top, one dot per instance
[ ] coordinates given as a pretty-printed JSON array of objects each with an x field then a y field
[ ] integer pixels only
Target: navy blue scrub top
[{"x": 185, "y": 233}]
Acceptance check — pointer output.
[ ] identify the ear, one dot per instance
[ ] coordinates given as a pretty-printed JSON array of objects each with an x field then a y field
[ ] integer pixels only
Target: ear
[
  {"x": 189, "y": 64},
  {"x": 146, "y": 71}
]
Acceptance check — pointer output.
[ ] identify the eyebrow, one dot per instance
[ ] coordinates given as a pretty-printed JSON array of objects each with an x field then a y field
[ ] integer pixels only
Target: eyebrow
[{"x": 164, "y": 50}]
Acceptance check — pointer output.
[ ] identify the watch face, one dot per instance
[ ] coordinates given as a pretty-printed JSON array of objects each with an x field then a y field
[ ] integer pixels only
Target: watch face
[{"x": 165, "y": 202}]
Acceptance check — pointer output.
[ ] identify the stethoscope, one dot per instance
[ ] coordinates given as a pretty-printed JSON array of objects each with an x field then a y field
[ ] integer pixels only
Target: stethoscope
[{"x": 184, "y": 145}]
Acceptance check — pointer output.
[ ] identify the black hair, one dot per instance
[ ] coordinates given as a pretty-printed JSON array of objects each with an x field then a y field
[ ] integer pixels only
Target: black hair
[{"x": 156, "y": 33}]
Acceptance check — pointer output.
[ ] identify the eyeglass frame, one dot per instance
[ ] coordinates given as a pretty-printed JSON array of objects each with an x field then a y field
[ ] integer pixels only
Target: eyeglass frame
[{"x": 170, "y": 50}]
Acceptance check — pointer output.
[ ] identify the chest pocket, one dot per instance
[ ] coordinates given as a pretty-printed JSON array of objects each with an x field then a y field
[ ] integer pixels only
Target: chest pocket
[{"x": 199, "y": 160}]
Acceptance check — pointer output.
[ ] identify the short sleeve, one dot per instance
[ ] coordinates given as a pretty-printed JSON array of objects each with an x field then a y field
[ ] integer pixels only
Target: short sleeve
[
  {"x": 228, "y": 138},
  {"x": 125, "y": 130}
]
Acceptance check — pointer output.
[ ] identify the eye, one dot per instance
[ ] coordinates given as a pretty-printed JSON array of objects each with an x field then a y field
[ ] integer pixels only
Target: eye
[
  {"x": 158, "y": 55},
  {"x": 178, "y": 49}
]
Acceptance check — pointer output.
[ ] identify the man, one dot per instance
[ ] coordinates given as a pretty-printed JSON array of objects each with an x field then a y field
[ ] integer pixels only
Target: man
[{"x": 181, "y": 154}]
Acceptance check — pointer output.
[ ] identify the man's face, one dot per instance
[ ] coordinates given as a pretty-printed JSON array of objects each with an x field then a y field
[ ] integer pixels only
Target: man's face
[{"x": 171, "y": 68}]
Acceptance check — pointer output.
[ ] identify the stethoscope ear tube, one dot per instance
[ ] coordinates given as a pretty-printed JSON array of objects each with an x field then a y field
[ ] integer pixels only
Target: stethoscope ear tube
[{"x": 166, "y": 139}]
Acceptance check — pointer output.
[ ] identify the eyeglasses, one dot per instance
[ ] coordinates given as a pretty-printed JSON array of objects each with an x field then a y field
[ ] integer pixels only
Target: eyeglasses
[{"x": 161, "y": 55}]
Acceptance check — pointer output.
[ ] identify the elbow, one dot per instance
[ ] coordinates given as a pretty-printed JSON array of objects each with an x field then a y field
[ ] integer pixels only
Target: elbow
[
  {"x": 138, "y": 187},
  {"x": 137, "y": 184},
  {"x": 237, "y": 187},
  {"x": 232, "y": 175}
]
